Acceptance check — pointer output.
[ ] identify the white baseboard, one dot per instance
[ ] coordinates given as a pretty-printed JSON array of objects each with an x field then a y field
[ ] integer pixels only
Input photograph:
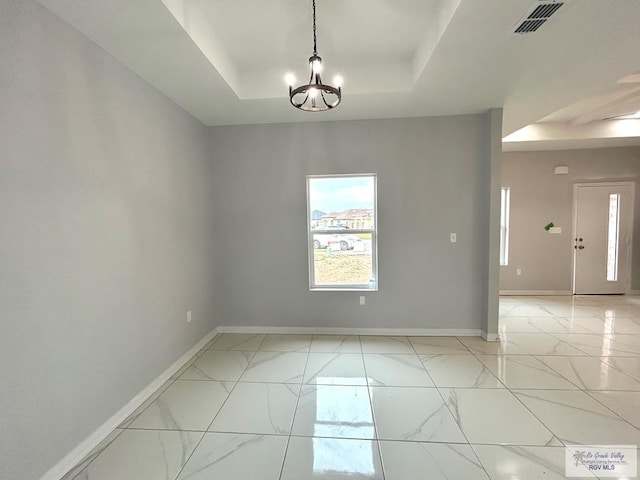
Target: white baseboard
[
  {"x": 490, "y": 337},
  {"x": 410, "y": 332},
  {"x": 634, "y": 292},
  {"x": 534, "y": 293},
  {"x": 89, "y": 443}
]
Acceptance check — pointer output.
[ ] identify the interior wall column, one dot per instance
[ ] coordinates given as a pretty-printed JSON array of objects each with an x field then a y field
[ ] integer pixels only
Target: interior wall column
[{"x": 494, "y": 153}]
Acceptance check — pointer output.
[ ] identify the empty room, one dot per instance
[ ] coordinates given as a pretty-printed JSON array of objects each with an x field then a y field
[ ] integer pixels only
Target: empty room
[{"x": 319, "y": 239}]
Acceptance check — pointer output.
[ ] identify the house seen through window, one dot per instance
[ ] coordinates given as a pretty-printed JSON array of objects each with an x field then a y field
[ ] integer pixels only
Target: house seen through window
[{"x": 341, "y": 213}]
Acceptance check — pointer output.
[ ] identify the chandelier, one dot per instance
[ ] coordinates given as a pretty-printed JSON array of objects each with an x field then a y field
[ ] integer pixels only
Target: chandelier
[{"x": 314, "y": 96}]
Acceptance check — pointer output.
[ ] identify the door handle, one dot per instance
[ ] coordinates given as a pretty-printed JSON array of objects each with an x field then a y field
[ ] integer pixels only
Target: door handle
[{"x": 581, "y": 247}]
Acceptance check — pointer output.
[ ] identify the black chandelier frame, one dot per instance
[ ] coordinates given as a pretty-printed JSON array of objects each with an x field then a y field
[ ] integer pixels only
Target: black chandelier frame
[{"x": 315, "y": 96}]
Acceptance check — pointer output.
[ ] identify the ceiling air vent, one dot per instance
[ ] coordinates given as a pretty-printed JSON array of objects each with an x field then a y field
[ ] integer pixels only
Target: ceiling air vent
[{"x": 537, "y": 16}]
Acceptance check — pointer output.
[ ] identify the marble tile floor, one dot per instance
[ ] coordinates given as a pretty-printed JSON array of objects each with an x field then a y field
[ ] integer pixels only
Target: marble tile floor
[{"x": 298, "y": 407}]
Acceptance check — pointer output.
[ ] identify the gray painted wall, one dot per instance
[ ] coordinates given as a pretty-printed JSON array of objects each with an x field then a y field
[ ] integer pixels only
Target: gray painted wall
[
  {"x": 433, "y": 179},
  {"x": 106, "y": 235},
  {"x": 492, "y": 257},
  {"x": 539, "y": 197}
]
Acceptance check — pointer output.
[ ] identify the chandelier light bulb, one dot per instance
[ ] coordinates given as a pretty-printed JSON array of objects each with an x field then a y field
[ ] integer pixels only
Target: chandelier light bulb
[
  {"x": 316, "y": 66},
  {"x": 313, "y": 93},
  {"x": 290, "y": 78},
  {"x": 337, "y": 80}
]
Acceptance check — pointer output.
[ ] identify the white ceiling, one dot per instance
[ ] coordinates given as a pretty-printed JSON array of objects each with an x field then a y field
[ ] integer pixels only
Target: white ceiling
[
  {"x": 587, "y": 123},
  {"x": 224, "y": 61},
  {"x": 621, "y": 98}
]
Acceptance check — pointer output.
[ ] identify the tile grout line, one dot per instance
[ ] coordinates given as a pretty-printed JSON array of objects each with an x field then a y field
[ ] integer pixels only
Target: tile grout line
[
  {"x": 504, "y": 385},
  {"x": 463, "y": 433},
  {"x": 295, "y": 412},
  {"x": 582, "y": 391},
  {"x": 505, "y": 388},
  {"x": 528, "y": 409},
  {"x": 227, "y": 398},
  {"x": 214, "y": 417},
  {"x": 568, "y": 357},
  {"x": 589, "y": 393},
  {"x": 230, "y": 392},
  {"x": 537, "y": 418},
  {"x": 452, "y": 414},
  {"x": 97, "y": 454},
  {"x": 373, "y": 414},
  {"x": 168, "y": 384},
  {"x": 422, "y": 362}
]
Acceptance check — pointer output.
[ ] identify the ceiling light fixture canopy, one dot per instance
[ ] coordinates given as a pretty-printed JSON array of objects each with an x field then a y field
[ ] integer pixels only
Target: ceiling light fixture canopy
[{"x": 315, "y": 96}]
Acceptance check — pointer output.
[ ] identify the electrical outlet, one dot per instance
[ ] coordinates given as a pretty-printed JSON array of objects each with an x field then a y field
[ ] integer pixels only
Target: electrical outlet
[
  {"x": 363, "y": 300},
  {"x": 518, "y": 271},
  {"x": 189, "y": 316},
  {"x": 453, "y": 237}
]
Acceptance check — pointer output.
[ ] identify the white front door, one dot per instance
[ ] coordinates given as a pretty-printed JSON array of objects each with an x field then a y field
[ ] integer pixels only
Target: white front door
[{"x": 602, "y": 227}]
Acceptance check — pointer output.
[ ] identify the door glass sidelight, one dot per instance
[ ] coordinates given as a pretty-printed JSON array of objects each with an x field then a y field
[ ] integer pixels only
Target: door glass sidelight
[{"x": 613, "y": 237}]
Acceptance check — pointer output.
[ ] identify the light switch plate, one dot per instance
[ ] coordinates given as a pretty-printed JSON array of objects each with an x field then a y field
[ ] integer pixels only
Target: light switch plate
[{"x": 453, "y": 237}]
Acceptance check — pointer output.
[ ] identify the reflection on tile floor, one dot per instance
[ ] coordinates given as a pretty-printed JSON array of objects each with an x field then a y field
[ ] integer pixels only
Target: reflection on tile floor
[{"x": 284, "y": 407}]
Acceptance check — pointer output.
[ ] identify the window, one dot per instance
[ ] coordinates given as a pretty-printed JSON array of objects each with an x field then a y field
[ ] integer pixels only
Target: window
[
  {"x": 342, "y": 235},
  {"x": 505, "y": 200},
  {"x": 613, "y": 235}
]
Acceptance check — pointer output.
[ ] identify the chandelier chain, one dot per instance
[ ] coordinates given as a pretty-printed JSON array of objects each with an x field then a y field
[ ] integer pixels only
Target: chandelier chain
[{"x": 315, "y": 49}]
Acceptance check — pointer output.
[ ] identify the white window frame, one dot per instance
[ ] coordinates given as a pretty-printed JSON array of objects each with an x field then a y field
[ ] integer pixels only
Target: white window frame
[
  {"x": 505, "y": 208},
  {"x": 372, "y": 286}
]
